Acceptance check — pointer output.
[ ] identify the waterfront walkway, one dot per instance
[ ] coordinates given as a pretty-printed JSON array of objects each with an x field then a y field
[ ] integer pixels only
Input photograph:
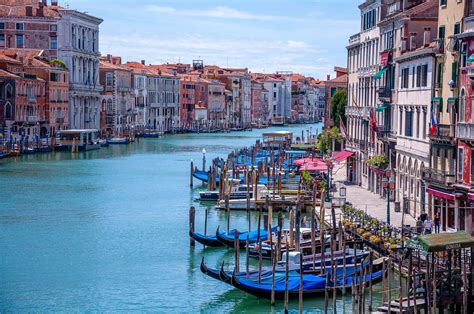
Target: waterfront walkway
[{"x": 375, "y": 205}]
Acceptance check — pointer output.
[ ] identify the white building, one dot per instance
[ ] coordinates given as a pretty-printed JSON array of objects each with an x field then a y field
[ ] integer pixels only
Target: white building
[
  {"x": 415, "y": 86},
  {"x": 363, "y": 65},
  {"x": 78, "y": 47},
  {"x": 279, "y": 92},
  {"x": 163, "y": 102}
]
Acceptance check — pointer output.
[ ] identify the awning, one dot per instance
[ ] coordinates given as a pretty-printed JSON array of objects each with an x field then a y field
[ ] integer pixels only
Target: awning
[
  {"x": 438, "y": 101},
  {"x": 379, "y": 74},
  {"x": 452, "y": 101},
  {"x": 382, "y": 107},
  {"x": 441, "y": 242},
  {"x": 314, "y": 166},
  {"x": 302, "y": 161},
  {"x": 441, "y": 194},
  {"x": 471, "y": 58},
  {"x": 342, "y": 155},
  {"x": 470, "y": 196}
]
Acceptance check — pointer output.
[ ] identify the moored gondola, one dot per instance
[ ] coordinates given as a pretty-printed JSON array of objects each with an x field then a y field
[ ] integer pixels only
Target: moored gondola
[
  {"x": 210, "y": 241},
  {"x": 228, "y": 239}
]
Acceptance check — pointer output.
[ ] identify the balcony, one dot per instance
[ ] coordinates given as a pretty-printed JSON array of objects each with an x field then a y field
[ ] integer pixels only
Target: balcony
[
  {"x": 445, "y": 133},
  {"x": 439, "y": 45},
  {"x": 32, "y": 119},
  {"x": 385, "y": 94},
  {"x": 442, "y": 178},
  {"x": 465, "y": 131},
  {"x": 383, "y": 131}
]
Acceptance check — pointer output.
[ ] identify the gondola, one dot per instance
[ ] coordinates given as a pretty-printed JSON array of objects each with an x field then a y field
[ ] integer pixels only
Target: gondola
[
  {"x": 210, "y": 241},
  {"x": 313, "y": 285},
  {"x": 228, "y": 239},
  {"x": 213, "y": 273},
  {"x": 203, "y": 176}
]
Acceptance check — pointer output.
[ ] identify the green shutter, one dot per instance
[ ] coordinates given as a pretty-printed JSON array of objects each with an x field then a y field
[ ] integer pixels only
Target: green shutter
[
  {"x": 439, "y": 78},
  {"x": 454, "y": 73}
]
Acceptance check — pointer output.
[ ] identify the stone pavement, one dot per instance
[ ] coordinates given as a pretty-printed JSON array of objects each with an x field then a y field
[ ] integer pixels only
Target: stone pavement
[{"x": 361, "y": 198}]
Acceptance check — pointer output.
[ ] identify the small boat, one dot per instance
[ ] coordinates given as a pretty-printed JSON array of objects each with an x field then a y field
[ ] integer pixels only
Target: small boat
[
  {"x": 152, "y": 134},
  {"x": 43, "y": 149},
  {"x": 28, "y": 151},
  {"x": 210, "y": 241},
  {"x": 238, "y": 191},
  {"x": 103, "y": 143},
  {"x": 15, "y": 152},
  {"x": 313, "y": 285},
  {"x": 118, "y": 141},
  {"x": 228, "y": 239}
]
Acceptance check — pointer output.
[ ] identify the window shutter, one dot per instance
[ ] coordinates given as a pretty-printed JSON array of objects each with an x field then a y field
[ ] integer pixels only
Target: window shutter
[{"x": 454, "y": 73}]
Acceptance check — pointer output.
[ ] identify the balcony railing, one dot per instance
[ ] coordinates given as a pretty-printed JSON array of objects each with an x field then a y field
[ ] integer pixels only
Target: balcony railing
[
  {"x": 465, "y": 131},
  {"x": 439, "y": 177},
  {"x": 383, "y": 131},
  {"x": 385, "y": 93},
  {"x": 445, "y": 132},
  {"x": 439, "y": 45},
  {"x": 32, "y": 119}
]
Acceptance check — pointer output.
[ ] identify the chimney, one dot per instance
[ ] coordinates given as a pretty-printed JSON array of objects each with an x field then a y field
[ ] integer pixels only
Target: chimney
[
  {"x": 40, "y": 10},
  {"x": 109, "y": 58},
  {"x": 29, "y": 11},
  {"x": 426, "y": 36},
  {"x": 328, "y": 77},
  {"x": 143, "y": 62},
  {"x": 412, "y": 41}
]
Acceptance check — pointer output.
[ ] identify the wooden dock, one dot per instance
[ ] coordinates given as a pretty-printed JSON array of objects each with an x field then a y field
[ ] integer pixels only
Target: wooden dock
[{"x": 407, "y": 306}]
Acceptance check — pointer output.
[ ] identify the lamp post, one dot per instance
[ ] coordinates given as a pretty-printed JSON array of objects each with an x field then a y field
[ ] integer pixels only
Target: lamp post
[
  {"x": 203, "y": 159},
  {"x": 388, "y": 184}
]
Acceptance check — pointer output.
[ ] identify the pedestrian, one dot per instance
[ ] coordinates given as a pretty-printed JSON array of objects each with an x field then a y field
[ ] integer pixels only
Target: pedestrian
[
  {"x": 428, "y": 225},
  {"x": 419, "y": 226},
  {"x": 437, "y": 222},
  {"x": 423, "y": 216}
]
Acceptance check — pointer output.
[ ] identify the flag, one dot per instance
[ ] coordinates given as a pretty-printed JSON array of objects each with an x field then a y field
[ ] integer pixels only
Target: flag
[
  {"x": 373, "y": 124},
  {"x": 433, "y": 124},
  {"x": 342, "y": 128}
]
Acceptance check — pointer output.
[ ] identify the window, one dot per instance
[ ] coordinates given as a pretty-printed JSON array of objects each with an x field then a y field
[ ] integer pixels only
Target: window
[
  {"x": 2, "y": 25},
  {"x": 460, "y": 162},
  {"x": 454, "y": 73},
  {"x": 405, "y": 77},
  {"x": 463, "y": 55},
  {"x": 53, "y": 42},
  {"x": 2, "y": 40},
  {"x": 8, "y": 91},
  {"x": 441, "y": 32},
  {"x": 274, "y": 95},
  {"x": 8, "y": 111},
  {"x": 20, "y": 26},
  {"x": 109, "y": 105},
  {"x": 462, "y": 105},
  {"x": 109, "y": 80},
  {"x": 20, "y": 41},
  {"x": 457, "y": 28},
  {"x": 442, "y": 2},
  {"x": 53, "y": 27},
  {"x": 424, "y": 75},
  {"x": 439, "y": 77},
  {"x": 409, "y": 123}
]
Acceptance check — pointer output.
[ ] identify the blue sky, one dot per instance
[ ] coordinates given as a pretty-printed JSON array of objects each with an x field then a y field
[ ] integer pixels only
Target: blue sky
[{"x": 304, "y": 36}]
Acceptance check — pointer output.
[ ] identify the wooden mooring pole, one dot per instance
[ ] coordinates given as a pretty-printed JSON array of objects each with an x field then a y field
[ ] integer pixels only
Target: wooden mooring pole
[{"x": 192, "y": 214}]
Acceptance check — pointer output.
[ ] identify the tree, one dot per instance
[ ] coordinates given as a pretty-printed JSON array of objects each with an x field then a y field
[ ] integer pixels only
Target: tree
[
  {"x": 338, "y": 106},
  {"x": 327, "y": 138}
]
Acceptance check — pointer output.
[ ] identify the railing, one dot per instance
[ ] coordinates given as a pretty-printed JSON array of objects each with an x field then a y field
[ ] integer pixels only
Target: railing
[
  {"x": 445, "y": 132},
  {"x": 386, "y": 93},
  {"x": 439, "y": 45},
  {"x": 465, "y": 131},
  {"x": 383, "y": 131},
  {"x": 440, "y": 177},
  {"x": 31, "y": 118}
]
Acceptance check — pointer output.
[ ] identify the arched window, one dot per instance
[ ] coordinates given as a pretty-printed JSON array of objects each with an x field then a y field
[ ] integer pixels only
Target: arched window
[
  {"x": 9, "y": 91},
  {"x": 8, "y": 111},
  {"x": 462, "y": 106}
]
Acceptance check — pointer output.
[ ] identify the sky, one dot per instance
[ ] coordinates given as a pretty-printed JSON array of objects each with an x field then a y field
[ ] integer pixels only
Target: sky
[{"x": 302, "y": 36}]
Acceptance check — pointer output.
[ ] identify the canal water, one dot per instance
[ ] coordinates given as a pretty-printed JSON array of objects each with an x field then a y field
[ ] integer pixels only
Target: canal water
[{"x": 107, "y": 230}]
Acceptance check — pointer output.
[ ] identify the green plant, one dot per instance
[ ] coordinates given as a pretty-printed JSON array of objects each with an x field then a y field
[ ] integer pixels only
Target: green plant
[
  {"x": 338, "y": 106},
  {"x": 58, "y": 62},
  {"x": 326, "y": 139},
  {"x": 378, "y": 161}
]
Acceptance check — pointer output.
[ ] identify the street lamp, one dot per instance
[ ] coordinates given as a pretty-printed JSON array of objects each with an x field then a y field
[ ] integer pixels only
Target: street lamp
[
  {"x": 389, "y": 185},
  {"x": 203, "y": 159}
]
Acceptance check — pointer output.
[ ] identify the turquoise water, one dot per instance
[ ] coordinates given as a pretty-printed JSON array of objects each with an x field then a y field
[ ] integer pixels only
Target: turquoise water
[{"x": 107, "y": 231}]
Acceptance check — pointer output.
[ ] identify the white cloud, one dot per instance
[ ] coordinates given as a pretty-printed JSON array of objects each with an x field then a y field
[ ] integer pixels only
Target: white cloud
[{"x": 217, "y": 12}]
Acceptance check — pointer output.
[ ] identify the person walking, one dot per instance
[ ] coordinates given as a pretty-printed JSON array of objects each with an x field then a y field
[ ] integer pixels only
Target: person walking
[
  {"x": 437, "y": 222},
  {"x": 428, "y": 225}
]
